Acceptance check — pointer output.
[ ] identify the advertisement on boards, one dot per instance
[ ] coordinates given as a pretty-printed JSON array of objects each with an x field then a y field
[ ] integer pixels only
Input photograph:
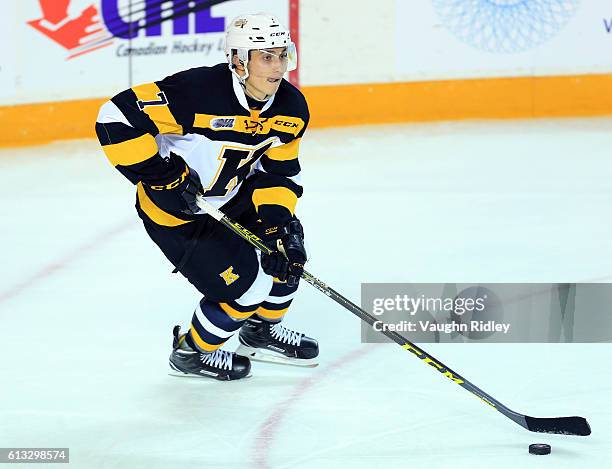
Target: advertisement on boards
[{"x": 88, "y": 48}]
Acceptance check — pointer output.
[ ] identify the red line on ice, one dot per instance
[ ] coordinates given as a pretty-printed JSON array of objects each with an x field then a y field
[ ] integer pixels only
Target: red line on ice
[
  {"x": 54, "y": 267},
  {"x": 266, "y": 435}
]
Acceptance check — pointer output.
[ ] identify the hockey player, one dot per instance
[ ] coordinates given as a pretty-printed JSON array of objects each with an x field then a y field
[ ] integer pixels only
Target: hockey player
[{"x": 231, "y": 133}]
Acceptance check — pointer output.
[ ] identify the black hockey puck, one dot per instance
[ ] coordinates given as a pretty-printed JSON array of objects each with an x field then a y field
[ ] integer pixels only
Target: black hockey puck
[{"x": 539, "y": 448}]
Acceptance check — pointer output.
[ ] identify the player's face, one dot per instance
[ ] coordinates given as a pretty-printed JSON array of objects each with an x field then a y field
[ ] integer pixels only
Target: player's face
[{"x": 266, "y": 70}]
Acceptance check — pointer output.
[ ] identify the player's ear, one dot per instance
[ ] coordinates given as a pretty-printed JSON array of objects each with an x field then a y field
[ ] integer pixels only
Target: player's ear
[{"x": 237, "y": 64}]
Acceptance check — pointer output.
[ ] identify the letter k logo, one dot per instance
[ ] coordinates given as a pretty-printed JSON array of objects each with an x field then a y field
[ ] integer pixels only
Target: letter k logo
[{"x": 229, "y": 276}]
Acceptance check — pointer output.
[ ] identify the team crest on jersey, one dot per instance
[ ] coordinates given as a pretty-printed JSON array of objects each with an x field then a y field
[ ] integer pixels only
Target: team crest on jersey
[
  {"x": 222, "y": 123},
  {"x": 229, "y": 276},
  {"x": 255, "y": 126}
]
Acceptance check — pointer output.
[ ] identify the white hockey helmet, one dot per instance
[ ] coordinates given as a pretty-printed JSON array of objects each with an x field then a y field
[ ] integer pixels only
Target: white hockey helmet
[{"x": 253, "y": 32}]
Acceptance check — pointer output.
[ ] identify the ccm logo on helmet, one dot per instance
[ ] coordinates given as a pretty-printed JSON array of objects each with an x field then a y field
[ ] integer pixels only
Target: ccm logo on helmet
[{"x": 278, "y": 34}]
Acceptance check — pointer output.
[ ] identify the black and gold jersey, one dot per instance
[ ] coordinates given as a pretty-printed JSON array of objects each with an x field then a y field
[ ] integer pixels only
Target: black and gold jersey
[{"x": 200, "y": 117}]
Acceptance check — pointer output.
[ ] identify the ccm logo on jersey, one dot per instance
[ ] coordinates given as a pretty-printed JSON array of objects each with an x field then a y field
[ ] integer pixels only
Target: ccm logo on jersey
[
  {"x": 222, "y": 123},
  {"x": 285, "y": 123}
]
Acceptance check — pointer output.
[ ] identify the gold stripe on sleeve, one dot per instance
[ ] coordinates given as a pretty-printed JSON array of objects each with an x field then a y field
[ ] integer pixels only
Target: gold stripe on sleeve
[
  {"x": 131, "y": 151},
  {"x": 288, "y": 151},
  {"x": 154, "y": 103},
  {"x": 156, "y": 214},
  {"x": 275, "y": 196}
]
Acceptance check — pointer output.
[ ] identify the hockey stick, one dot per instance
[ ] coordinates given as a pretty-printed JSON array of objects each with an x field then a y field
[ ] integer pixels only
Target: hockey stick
[{"x": 562, "y": 425}]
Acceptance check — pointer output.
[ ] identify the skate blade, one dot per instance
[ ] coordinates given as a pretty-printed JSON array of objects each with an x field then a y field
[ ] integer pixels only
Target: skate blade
[
  {"x": 181, "y": 374},
  {"x": 268, "y": 356}
]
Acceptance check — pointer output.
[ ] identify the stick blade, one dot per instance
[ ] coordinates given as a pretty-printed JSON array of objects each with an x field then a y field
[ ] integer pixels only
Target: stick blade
[{"x": 562, "y": 425}]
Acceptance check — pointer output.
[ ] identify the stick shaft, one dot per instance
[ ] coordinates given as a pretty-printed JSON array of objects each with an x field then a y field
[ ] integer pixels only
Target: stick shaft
[{"x": 566, "y": 425}]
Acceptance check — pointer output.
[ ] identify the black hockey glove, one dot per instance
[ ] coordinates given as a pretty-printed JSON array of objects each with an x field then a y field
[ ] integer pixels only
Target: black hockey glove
[
  {"x": 179, "y": 195},
  {"x": 287, "y": 260}
]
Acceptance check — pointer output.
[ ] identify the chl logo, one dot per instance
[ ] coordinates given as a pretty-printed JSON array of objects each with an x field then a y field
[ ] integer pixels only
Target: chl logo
[
  {"x": 229, "y": 276},
  {"x": 118, "y": 21},
  {"x": 81, "y": 33}
]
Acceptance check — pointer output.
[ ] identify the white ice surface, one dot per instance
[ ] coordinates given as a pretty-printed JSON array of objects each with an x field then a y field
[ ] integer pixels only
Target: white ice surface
[{"x": 87, "y": 304}]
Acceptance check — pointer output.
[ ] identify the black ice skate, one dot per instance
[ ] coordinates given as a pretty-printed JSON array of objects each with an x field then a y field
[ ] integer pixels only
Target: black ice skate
[
  {"x": 271, "y": 342},
  {"x": 220, "y": 364}
]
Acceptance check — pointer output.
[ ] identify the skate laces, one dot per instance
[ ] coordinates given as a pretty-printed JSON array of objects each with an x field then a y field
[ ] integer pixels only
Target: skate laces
[
  {"x": 285, "y": 335},
  {"x": 219, "y": 359}
]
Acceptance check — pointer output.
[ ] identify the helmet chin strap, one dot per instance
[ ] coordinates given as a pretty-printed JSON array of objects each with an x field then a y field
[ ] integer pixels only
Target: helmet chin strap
[{"x": 241, "y": 78}]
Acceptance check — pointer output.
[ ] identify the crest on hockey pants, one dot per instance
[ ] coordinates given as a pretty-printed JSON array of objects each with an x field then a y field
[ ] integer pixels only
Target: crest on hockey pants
[{"x": 229, "y": 276}]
